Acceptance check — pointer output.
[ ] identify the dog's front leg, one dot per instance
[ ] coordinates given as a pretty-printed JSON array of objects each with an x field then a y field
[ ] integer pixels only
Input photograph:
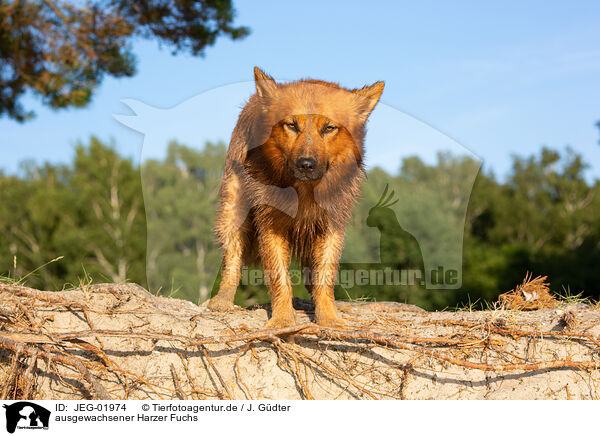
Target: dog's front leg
[
  {"x": 326, "y": 253},
  {"x": 275, "y": 255}
]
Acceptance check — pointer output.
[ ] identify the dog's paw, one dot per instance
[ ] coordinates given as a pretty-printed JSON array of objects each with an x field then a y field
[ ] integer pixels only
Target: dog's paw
[
  {"x": 327, "y": 316},
  {"x": 278, "y": 322},
  {"x": 331, "y": 321},
  {"x": 217, "y": 304}
]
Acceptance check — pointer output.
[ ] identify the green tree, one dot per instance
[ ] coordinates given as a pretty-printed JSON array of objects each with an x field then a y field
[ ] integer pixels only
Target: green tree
[
  {"x": 61, "y": 50},
  {"x": 181, "y": 197},
  {"x": 90, "y": 214},
  {"x": 108, "y": 228},
  {"x": 31, "y": 221},
  {"x": 543, "y": 220}
]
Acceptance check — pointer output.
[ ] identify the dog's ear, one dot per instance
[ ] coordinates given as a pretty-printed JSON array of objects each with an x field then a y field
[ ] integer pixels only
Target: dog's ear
[
  {"x": 369, "y": 96},
  {"x": 265, "y": 84}
]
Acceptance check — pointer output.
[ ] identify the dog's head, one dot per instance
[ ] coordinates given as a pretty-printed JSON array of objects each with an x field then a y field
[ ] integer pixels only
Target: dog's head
[{"x": 308, "y": 127}]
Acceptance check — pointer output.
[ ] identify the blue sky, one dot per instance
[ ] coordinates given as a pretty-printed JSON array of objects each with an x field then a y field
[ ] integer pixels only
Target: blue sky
[{"x": 494, "y": 79}]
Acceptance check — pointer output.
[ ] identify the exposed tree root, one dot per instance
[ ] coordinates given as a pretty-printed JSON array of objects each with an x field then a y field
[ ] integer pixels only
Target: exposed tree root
[{"x": 79, "y": 357}]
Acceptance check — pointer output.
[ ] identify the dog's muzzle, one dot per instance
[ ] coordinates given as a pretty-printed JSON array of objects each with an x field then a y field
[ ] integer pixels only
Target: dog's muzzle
[{"x": 307, "y": 170}]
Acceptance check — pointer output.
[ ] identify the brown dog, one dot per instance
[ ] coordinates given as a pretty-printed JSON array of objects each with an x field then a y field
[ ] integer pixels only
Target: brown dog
[{"x": 293, "y": 173}]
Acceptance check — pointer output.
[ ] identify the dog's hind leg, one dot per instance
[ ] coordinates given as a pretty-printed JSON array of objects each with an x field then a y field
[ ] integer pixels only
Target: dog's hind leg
[
  {"x": 231, "y": 228},
  {"x": 230, "y": 278}
]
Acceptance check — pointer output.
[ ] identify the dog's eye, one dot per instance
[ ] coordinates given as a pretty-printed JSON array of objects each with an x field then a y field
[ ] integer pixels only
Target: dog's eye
[
  {"x": 291, "y": 126},
  {"x": 329, "y": 129}
]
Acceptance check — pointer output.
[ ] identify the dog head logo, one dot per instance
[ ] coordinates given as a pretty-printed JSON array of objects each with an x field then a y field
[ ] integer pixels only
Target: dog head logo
[{"x": 26, "y": 415}]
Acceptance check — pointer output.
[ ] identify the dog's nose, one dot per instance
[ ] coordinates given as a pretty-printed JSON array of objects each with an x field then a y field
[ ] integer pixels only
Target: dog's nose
[{"x": 306, "y": 163}]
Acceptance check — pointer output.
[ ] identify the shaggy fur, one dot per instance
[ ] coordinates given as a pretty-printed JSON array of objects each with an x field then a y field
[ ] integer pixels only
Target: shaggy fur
[{"x": 292, "y": 175}]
